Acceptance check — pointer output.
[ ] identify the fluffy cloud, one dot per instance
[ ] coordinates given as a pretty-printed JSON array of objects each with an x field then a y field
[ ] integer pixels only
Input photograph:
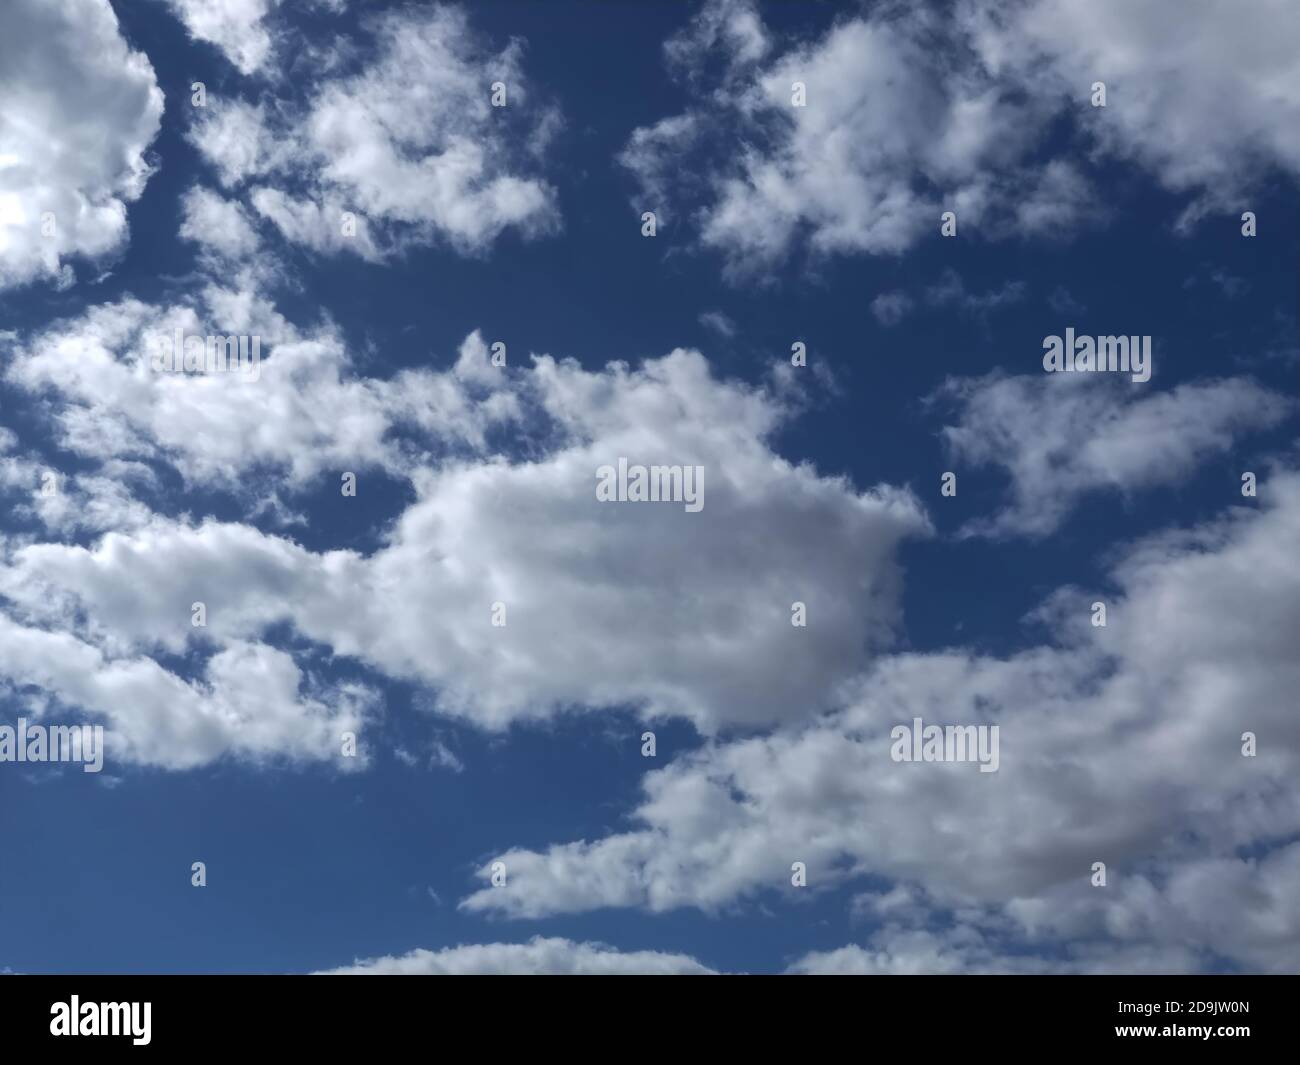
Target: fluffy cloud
[
  {"x": 236, "y": 27},
  {"x": 1204, "y": 99},
  {"x": 1059, "y": 436},
  {"x": 964, "y": 950},
  {"x": 891, "y": 951},
  {"x": 221, "y": 227},
  {"x": 708, "y": 594},
  {"x": 894, "y": 133},
  {"x": 303, "y": 412},
  {"x": 236, "y": 139},
  {"x": 78, "y": 109},
  {"x": 503, "y": 463},
  {"x": 1119, "y": 744},
  {"x": 537, "y": 957},
  {"x": 910, "y": 113},
  {"x": 410, "y": 146},
  {"x": 251, "y": 701},
  {"x": 93, "y": 501}
]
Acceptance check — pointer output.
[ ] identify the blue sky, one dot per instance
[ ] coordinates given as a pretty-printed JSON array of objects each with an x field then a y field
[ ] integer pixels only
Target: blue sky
[{"x": 330, "y": 614}]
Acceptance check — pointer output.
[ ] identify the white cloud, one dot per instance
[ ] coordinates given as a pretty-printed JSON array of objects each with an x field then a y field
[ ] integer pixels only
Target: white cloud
[
  {"x": 1206, "y": 96},
  {"x": 236, "y": 27},
  {"x": 1119, "y": 744},
  {"x": 305, "y": 412},
  {"x": 69, "y": 502},
  {"x": 965, "y": 950},
  {"x": 78, "y": 109},
  {"x": 708, "y": 594},
  {"x": 732, "y": 24},
  {"x": 236, "y": 138},
  {"x": 539, "y": 956},
  {"x": 653, "y": 154},
  {"x": 251, "y": 702},
  {"x": 443, "y": 757},
  {"x": 410, "y": 145},
  {"x": 514, "y": 519},
  {"x": 719, "y": 323},
  {"x": 910, "y": 113},
  {"x": 1060, "y": 436},
  {"x": 895, "y": 132},
  {"x": 221, "y": 227},
  {"x": 324, "y": 226},
  {"x": 92, "y": 502}
]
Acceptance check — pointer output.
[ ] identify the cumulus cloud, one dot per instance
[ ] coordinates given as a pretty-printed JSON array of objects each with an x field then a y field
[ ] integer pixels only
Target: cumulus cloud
[
  {"x": 540, "y": 956},
  {"x": 710, "y": 592},
  {"x": 408, "y": 150},
  {"x": 890, "y": 951},
  {"x": 1060, "y": 436},
  {"x": 304, "y": 411},
  {"x": 910, "y": 113},
  {"x": 503, "y": 464},
  {"x": 1205, "y": 100},
  {"x": 965, "y": 950},
  {"x": 78, "y": 109},
  {"x": 237, "y": 140},
  {"x": 251, "y": 701},
  {"x": 1120, "y": 744},
  {"x": 65, "y": 503},
  {"x": 897, "y": 129},
  {"x": 222, "y": 228},
  {"x": 236, "y": 27}
]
